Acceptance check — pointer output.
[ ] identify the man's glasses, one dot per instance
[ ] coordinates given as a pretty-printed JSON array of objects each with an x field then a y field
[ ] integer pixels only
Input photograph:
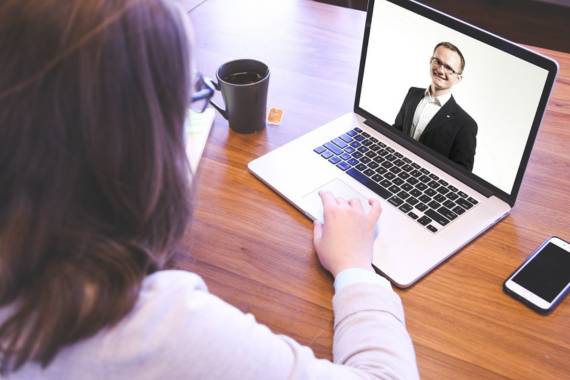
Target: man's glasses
[
  {"x": 202, "y": 92},
  {"x": 436, "y": 62}
]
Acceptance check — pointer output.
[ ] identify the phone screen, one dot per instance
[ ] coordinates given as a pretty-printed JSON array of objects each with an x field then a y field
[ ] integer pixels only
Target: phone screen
[{"x": 547, "y": 274}]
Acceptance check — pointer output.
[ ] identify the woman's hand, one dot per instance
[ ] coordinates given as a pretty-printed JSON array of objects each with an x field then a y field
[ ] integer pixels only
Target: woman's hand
[{"x": 346, "y": 237}]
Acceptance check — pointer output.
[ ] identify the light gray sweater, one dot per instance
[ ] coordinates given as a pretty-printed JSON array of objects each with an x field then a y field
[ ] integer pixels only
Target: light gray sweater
[{"x": 178, "y": 330}]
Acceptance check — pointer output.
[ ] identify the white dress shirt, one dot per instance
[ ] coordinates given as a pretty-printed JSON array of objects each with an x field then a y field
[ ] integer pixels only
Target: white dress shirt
[{"x": 425, "y": 111}]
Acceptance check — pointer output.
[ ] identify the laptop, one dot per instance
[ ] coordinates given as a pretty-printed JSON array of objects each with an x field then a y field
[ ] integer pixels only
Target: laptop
[{"x": 445, "y": 117}]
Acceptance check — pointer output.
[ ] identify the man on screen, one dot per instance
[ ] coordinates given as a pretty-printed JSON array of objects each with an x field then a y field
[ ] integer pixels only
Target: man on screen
[{"x": 432, "y": 117}]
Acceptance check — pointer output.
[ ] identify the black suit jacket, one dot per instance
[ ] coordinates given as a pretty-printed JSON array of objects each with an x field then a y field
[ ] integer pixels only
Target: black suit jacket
[{"x": 452, "y": 132}]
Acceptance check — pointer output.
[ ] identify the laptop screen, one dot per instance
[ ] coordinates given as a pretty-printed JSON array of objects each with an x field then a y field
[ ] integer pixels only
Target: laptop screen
[{"x": 474, "y": 99}]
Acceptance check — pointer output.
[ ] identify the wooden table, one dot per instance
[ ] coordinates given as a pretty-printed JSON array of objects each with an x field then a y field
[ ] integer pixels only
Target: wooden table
[{"x": 255, "y": 251}]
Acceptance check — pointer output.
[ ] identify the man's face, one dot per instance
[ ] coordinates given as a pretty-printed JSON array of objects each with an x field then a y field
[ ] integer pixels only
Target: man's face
[{"x": 444, "y": 59}]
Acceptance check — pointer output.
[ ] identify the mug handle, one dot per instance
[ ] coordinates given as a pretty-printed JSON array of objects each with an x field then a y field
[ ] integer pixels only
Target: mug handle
[{"x": 215, "y": 86}]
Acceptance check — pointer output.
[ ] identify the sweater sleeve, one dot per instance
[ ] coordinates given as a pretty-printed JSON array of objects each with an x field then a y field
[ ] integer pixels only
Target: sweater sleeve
[{"x": 189, "y": 333}]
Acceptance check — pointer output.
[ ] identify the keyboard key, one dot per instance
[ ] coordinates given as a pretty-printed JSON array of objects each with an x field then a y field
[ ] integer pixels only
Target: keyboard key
[
  {"x": 349, "y": 149},
  {"x": 431, "y": 228},
  {"x": 415, "y": 192},
  {"x": 421, "y": 186},
  {"x": 327, "y": 154},
  {"x": 373, "y": 165},
  {"x": 390, "y": 157},
  {"x": 387, "y": 164},
  {"x": 364, "y": 134},
  {"x": 434, "y": 177},
  {"x": 412, "y": 181},
  {"x": 362, "y": 149},
  {"x": 365, "y": 160},
  {"x": 374, "y": 147},
  {"x": 378, "y": 159},
  {"x": 381, "y": 170},
  {"x": 374, "y": 139},
  {"x": 389, "y": 149},
  {"x": 383, "y": 152},
  {"x": 333, "y": 148},
  {"x": 398, "y": 181},
  {"x": 462, "y": 194},
  {"x": 319, "y": 149},
  {"x": 430, "y": 192},
  {"x": 424, "y": 198},
  {"x": 452, "y": 188},
  {"x": 385, "y": 183},
  {"x": 343, "y": 166},
  {"x": 357, "y": 155},
  {"x": 390, "y": 175},
  {"x": 394, "y": 189},
  {"x": 370, "y": 154},
  {"x": 345, "y": 156},
  {"x": 403, "y": 195},
  {"x": 346, "y": 138},
  {"x": 407, "y": 167},
  {"x": 449, "y": 204},
  {"x": 352, "y": 133},
  {"x": 463, "y": 203},
  {"x": 440, "y": 198},
  {"x": 472, "y": 200},
  {"x": 415, "y": 166},
  {"x": 443, "y": 190},
  {"x": 369, "y": 172},
  {"x": 404, "y": 175},
  {"x": 452, "y": 196},
  {"x": 424, "y": 171},
  {"x": 433, "y": 184},
  {"x": 447, "y": 213},
  {"x": 437, "y": 217},
  {"x": 366, "y": 142},
  {"x": 405, "y": 208},
  {"x": 413, "y": 201},
  {"x": 424, "y": 220},
  {"x": 358, "y": 137},
  {"x": 361, "y": 167},
  {"x": 353, "y": 161},
  {"x": 399, "y": 162},
  {"x": 334, "y": 160},
  {"x": 368, "y": 183},
  {"x": 442, "y": 182},
  {"x": 396, "y": 201},
  {"x": 339, "y": 142},
  {"x": 422, "y": 207},
  {"x": 358, "y": 129},
  {"x": 424, "y": 179},
  {"x": 412, "y": 215},
  {"x": 398, "y": 154},
  {"x": 395, "y": 169},
  {"x": 377, "y": 177},
  {"x": 458, "y": 210},
  {"x": 406, "y": 186},
  {"x": 354, "y": 144},
  {"x": 415, "y": 173},
  {"x": 434, "y": 205}
]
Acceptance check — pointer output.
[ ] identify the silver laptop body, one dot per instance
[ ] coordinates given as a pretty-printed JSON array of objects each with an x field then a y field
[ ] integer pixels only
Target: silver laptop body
[{"x": 407, "y": 248}]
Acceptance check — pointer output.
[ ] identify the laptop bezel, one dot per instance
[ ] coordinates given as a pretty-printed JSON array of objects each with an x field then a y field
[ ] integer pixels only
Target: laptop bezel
[{"x": 470, "y": 179}]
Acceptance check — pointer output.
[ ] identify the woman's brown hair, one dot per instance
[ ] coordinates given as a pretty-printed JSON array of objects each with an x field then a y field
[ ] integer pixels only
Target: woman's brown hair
[{"x": 93, "y": 171}]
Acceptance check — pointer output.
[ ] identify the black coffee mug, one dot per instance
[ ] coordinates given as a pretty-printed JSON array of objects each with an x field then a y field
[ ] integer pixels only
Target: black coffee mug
[{"x": 243, "y": 84}]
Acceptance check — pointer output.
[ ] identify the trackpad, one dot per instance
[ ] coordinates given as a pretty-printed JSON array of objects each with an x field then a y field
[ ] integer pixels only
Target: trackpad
[{"x": 314, "y": 207}]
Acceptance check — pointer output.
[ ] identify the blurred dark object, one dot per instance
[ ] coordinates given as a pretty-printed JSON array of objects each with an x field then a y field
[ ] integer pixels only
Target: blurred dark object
[{"x": 531, "y": 22}]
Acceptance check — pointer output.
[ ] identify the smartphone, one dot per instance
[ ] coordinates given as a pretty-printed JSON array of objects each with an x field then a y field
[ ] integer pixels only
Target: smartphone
[{"x": 543, "y": 280}]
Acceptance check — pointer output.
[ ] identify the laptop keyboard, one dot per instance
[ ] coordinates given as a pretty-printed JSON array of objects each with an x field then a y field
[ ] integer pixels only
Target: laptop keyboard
[{"x": 414, "y": 190}]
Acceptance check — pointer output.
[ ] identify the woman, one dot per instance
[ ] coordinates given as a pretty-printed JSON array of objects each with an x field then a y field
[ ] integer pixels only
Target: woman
[{"x": 94, "y": 200}]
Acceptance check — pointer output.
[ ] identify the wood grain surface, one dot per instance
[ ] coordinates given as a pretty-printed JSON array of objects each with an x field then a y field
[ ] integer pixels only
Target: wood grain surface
[{"x": 255, "y": 251}]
